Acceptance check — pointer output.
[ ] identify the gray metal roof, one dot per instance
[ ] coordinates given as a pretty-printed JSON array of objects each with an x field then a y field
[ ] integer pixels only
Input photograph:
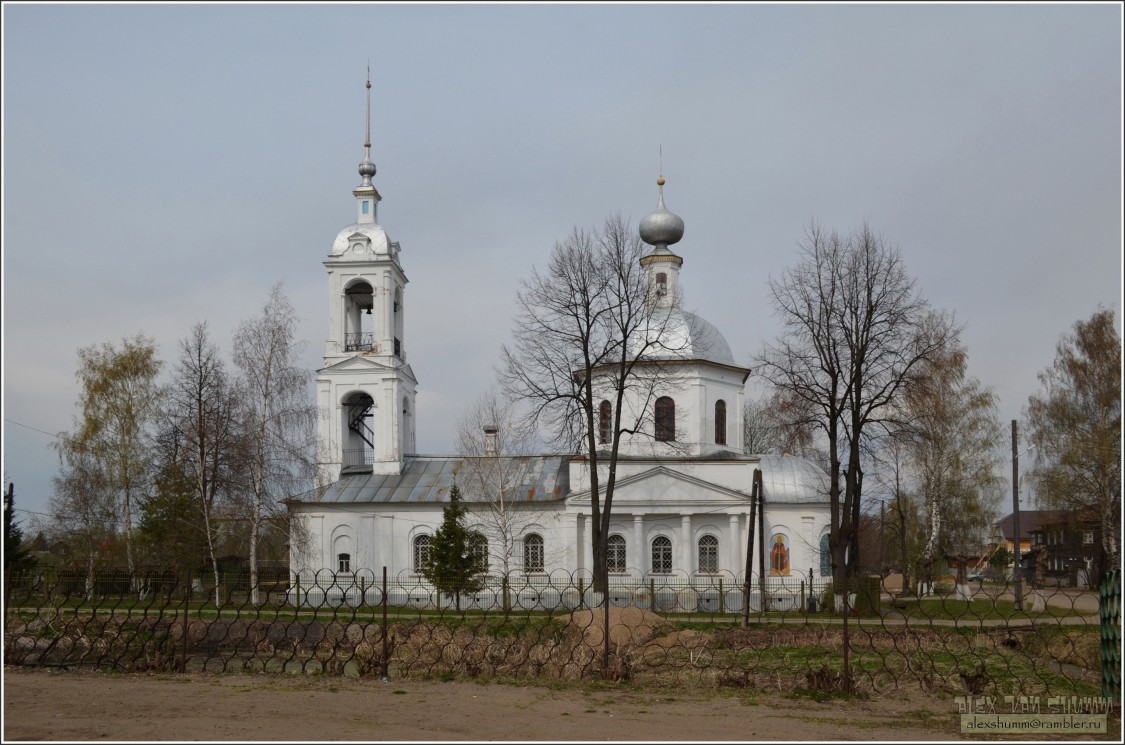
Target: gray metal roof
[
  {"x": 685, "y": 336},
  {"x": 789, "y": 479},
  {"x": 535, "y": 478}
]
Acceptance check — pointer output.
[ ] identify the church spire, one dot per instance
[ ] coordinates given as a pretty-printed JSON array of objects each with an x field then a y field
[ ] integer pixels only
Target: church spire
[
  {"x": 661, "y": 229},
  {"x": 366, "y": 193}
]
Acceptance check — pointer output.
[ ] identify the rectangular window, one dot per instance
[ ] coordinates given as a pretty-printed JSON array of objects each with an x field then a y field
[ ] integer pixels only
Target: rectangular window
[
  {"x": 344, "y": 563},
  {"x": 366, "y": 206},
  {"x": 1088, "y": 536}
]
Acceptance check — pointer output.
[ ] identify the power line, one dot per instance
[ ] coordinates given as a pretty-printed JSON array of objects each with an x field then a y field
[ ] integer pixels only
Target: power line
[{"x": 33, "y": 429}]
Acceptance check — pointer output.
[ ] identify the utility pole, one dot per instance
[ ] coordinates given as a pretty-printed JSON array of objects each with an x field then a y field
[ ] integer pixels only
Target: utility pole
[
  {"x": 882, "y": 541},
  {"x": 1016, "y": 514}
]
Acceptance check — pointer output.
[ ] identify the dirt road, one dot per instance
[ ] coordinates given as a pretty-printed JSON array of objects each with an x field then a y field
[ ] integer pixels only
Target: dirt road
[{"x": 84, "y": 706}]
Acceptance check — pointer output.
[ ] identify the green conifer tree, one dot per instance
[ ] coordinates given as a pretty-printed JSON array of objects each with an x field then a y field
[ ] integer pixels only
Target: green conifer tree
[
  {"x": 456, "y": 564},
  {"x": 17, "y": 557}
]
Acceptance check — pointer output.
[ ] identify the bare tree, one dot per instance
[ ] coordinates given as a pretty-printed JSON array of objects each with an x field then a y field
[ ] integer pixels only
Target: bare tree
[
  {"x": 591, "y": 328},
  {"x": 280, "y": 420},
  {"x": 1076, "y": 428},
  {"x": 854, "y": 329},
  {"x": 778, "y": 423},
  {"x": 118, "y": 403},
  {"x": 494, "y": 442},
  {"x": 902, "y": 521},
  {"x": 203, "y": 433},
  {"x": 952, "y": 440}
]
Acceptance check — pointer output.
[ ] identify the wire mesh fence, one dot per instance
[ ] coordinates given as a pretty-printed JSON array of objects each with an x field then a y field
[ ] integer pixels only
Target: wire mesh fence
[{"x": 781, "y": 633}]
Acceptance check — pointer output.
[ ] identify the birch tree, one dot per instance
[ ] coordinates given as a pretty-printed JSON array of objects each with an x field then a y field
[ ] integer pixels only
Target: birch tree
[
  {"x": 82, "y": 506},
  {"x": 953, "y": 442},
  {"x": 279, "y": 414},
  {"x": 118, "y": 406},
  {"x": 1075, "y": 423}
]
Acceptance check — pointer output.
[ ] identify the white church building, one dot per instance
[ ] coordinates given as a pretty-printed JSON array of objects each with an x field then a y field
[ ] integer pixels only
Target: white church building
[{"x": 682, "y": 504}]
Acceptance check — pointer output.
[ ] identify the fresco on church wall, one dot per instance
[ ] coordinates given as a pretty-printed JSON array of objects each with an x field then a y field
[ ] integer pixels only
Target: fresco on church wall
[{"x": 779, "y": 555}]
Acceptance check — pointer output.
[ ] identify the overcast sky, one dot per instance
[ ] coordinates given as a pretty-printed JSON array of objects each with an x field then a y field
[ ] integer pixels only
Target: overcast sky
[{"x": 165, "y": 165}]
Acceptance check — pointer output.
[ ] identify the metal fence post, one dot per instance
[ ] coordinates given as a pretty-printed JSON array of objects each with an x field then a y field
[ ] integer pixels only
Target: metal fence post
[
  {"x": 1109, "y": 610},
  {"x": 183, "y": 650},
  {"x": 605, "y": 650},
  {"x": 386, "y": 662}
]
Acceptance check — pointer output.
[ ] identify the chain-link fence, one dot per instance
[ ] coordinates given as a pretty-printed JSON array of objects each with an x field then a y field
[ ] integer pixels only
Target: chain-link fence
[{"x": 782, "y": 633}]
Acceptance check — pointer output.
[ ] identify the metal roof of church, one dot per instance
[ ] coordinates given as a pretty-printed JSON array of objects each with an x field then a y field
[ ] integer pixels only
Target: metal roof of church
[
  {"x": 790, "y": 479},
  {"x": 532, "y": 478}
]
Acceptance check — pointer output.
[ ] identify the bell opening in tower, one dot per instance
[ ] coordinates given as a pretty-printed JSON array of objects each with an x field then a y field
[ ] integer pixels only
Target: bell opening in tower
[{"x": 359, "y": 320}]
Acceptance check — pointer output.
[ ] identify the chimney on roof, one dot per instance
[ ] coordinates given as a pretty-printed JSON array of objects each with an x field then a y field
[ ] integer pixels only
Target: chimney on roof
[{"x": 491, "y": 432}]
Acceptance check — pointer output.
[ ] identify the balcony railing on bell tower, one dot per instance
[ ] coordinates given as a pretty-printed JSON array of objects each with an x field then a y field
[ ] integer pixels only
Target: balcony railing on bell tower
[
  {"x": 363, "y": 341},
  {"x": 358, "y": 458}
]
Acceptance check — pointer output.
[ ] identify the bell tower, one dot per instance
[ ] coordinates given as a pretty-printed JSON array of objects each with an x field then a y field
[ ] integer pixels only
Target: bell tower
[{"x": 365, "y": 391}]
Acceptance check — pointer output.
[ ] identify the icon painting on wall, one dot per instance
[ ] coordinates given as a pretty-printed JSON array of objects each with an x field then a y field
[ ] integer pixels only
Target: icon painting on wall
[{"x": 779, "y": 555}]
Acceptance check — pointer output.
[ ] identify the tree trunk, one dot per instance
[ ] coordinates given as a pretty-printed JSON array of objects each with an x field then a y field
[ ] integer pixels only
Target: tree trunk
[
  {"x": 255, "y": 528},
  {"x": 211, "y": 555}
]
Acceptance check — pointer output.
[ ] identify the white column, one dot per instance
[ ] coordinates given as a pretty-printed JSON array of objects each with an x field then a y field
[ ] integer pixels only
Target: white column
[
  {"x": 638, "y": 555},
  {"x": 579, "y": 541},
  {"x": 689, "y": 557},
  {"x": 364, "y": 544},
  {"x": 388, "y": 314},
  {"x": 734, "y": 551}
]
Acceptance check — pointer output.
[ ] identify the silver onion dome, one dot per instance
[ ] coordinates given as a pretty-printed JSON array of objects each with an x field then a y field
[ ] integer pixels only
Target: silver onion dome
[
  {"x": 662, "y": 227},
  {"x": 366, "y": 170}
]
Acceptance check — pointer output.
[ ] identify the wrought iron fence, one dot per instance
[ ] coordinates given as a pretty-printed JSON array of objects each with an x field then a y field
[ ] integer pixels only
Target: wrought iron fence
[{"x": 776, "y": 632}]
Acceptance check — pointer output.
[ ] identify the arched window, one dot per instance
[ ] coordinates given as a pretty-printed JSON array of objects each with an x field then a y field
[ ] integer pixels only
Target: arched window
[
  {"x": 533, "y": 553},
  {"x": 665, "y": 419},
  {"x": 709, "y": 554},
  {"x": 661, "y": 555},
  {"x": 615, "y": 553},
  {"x": 478, "y": 546},
  {"x": 605, "y": 422},
  {"x": 661, "y": 283},
  {"x": 720, "y": 422},
  {"x": 343, "y": 562},
  {"x": 825, "y": 557},
  {"x": 421, "y": 553}
]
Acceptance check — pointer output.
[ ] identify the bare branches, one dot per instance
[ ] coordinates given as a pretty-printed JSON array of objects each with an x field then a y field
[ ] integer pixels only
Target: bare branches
[
  {"x": 204, "y": 430},
  {"x": 589, "y": 329},
  {"x": 854, "y": 329},
  {"x": 279, "y": 419}
]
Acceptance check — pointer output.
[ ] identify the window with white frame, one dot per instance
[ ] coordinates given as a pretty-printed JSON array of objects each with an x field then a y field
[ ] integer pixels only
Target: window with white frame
[
  {"x": 343, "y": 563},
  {"x": 1087, "y": 536}
]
